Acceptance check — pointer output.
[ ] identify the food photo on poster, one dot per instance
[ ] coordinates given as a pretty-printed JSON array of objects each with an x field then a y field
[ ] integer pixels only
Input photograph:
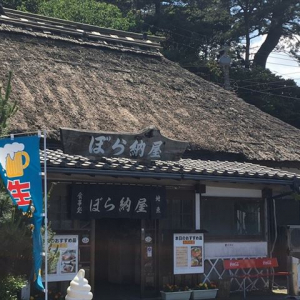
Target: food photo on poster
[
  {"x": 68, "y": 261},
  {"x": 196, "y": 256}
]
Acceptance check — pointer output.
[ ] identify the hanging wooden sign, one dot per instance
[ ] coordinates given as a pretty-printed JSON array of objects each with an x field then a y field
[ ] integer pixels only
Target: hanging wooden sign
[{"x": 146, "y": 146}]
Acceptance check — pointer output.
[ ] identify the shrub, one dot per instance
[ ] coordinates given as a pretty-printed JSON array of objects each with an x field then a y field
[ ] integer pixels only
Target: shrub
[{"x": 10, "y": 286}]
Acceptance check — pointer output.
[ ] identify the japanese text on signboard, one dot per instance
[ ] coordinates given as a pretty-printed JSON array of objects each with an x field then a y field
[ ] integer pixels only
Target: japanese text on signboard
[
  {"x": 98, "y": 201},
  {"x": 107, "y": 144},
  {"x": 147, "y": 145}
]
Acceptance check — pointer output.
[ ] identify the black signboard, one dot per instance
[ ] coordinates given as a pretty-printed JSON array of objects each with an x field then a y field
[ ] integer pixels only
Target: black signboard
[
  {"x": 147, "y": 145},
  {"x": 117, "y": 201}
]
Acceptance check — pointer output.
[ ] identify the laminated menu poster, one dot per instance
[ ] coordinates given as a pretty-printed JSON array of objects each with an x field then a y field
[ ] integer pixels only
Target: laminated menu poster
[
  {"x": 63, "y": 258},
  {"x": 188, "y": 253}
]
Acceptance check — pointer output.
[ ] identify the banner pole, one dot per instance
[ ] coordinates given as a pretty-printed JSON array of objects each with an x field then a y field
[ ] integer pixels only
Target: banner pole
[{"x": 46, "y": 215}]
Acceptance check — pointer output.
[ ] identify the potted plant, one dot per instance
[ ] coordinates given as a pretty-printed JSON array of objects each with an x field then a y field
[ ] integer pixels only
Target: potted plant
[
  {"x": 204, "y": 291},
  {"x": 174, "y": 292},
  {"x": 52, "y": 295}
]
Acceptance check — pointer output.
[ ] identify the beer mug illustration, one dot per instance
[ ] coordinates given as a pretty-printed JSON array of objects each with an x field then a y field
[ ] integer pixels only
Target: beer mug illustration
[{"x": 15, "y": 166}]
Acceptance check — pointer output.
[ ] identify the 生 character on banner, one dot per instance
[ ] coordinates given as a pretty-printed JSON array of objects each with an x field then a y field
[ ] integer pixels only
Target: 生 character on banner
[{"x": 21, "y": 174}]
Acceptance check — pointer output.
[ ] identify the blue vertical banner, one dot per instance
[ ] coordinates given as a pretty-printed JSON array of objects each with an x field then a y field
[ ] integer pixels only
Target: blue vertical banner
[{"x": 21, "y": 174}]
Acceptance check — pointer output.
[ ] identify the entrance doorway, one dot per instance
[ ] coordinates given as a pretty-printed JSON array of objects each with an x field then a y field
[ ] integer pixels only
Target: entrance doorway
[{"x": 118, "y": 259}]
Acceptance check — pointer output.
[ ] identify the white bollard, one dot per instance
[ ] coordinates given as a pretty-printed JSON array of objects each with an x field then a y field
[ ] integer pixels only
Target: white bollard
[{"x": 79, "y": 288}]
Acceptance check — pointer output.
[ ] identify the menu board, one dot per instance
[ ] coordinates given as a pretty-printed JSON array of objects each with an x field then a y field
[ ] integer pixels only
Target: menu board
[
  {"x": 63, "y": 258},
  {"x": 188, "y": 253}
]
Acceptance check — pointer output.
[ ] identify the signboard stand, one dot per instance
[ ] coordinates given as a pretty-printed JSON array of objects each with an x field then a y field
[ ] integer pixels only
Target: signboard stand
[
  {"x": 188, "y": 253},
  {"x": 64, "y": 265}
]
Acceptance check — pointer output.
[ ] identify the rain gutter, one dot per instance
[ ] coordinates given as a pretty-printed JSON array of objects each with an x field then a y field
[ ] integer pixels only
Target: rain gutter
[{"x": 176, "y": 176}]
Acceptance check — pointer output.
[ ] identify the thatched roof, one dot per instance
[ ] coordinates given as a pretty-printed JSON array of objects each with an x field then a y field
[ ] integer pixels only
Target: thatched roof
[{"x": 64, "y": 82}]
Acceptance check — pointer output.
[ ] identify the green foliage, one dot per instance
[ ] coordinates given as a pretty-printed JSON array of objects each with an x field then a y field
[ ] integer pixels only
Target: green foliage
[
  {"x": 15, "y": 243},
  {"x": 25, "y": 5},
  {"x": 272, "y": 94},
  {"x": 10, "y": 286},
  {"x": 88, "y": 11},
  {"x": 15, "y": 233},
  {"x": 5, "y": 205},
  {"x": 30, "y": 5},
  {"x": 168, "y": 288},
  {"x": 53, "y": 256},
  {"x": 205, "y": 286},
  {"x": 13, "y": 4},
  {"x": 275, "y": 19}
]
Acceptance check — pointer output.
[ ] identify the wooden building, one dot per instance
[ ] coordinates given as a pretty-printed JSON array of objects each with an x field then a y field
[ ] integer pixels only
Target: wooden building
[
  {"x": 229, "y": 201},
  {"x": 85, "y": 77}
]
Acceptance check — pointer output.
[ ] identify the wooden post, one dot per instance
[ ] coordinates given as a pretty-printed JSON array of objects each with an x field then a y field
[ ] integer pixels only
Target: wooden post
[{"x": 92, "y": 265}]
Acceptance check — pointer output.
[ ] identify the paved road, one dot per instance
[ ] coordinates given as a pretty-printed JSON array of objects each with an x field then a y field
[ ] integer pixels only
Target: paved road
[
  {"x": 235, "y": 296},
  {"x": 277, "y": 295}
]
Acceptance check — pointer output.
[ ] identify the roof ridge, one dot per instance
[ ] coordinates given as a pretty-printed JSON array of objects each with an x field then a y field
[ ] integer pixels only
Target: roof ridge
[{"x": 55, "y": 26}]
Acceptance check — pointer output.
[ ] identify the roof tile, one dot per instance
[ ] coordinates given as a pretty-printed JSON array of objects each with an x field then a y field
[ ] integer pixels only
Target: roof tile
[{"x": 56, "y": 158}]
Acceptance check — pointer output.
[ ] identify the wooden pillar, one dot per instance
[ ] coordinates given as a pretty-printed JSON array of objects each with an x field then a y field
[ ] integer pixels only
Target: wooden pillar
[
  {"x": 92, "y": 270},
  {"x": 199, "y": 189}
]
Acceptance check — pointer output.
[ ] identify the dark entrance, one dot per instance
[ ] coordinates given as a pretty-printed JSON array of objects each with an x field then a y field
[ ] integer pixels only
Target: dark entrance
[{"x": 118, "y": 259}]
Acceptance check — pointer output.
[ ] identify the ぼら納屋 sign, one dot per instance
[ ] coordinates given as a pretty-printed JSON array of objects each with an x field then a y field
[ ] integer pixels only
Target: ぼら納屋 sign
[
  {"x": 118, "y": 201},
  {"x": 143, "y": 146}
]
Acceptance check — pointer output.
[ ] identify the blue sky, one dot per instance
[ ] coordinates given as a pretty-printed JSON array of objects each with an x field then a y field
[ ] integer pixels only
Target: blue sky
[
  {"x": 280, "y": 62},
  {"x": 283, "y": 64}
]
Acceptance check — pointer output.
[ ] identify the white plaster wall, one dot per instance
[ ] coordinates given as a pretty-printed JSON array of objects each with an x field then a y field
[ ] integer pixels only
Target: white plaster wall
[
  {"x": 215, "y": 191},
  {"x": 235, "y": 249}
]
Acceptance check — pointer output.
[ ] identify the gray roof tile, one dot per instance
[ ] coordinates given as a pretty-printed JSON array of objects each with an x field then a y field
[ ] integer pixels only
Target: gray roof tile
[{"x": 56, "y": 158}]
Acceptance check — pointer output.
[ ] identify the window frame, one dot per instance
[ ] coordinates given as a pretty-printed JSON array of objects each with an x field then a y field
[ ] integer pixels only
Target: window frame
[
  {"x": 181, "y": 196},
  {"x": 234, "y": 236}
]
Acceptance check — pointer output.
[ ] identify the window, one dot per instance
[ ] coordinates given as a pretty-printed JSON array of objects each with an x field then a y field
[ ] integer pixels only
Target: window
[
  {"x": 236, "y": 217},
  {"x": 180, "y": 210},
  {"x": 248, "y": 218},
  {"x": 59, "y": 208}
]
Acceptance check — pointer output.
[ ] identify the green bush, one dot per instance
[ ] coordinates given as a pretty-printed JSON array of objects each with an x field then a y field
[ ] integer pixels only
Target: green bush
[
  {"x": 10, "y": 286},
  {"x": 88, "y": 11}
]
